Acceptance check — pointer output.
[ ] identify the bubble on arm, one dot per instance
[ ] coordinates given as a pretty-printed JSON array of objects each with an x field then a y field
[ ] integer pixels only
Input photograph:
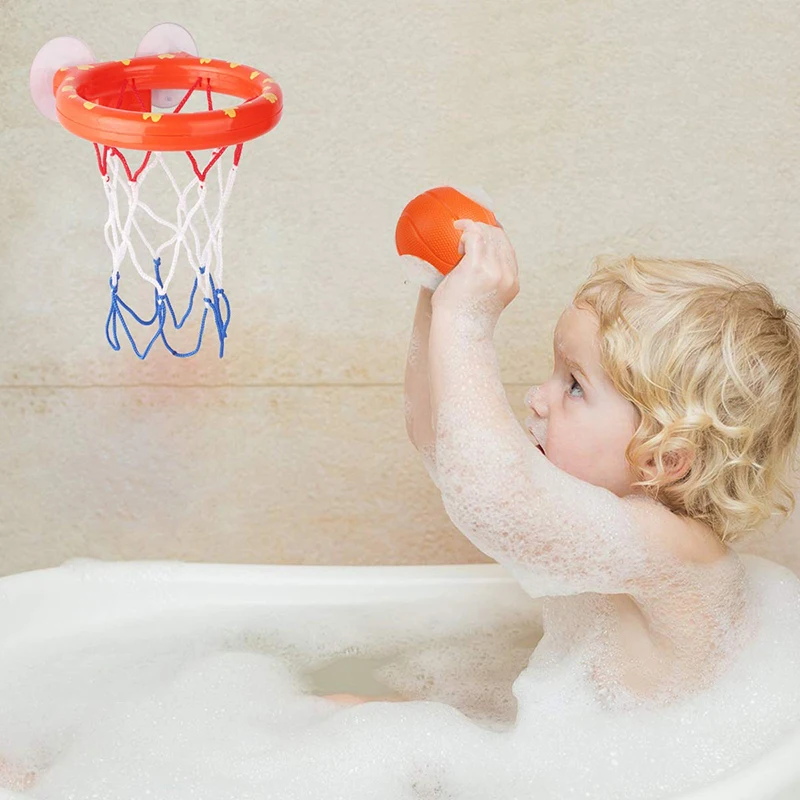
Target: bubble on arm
[
  {"x": 421, "y": 272},
  {"x": 414, "y": 347},
  {"x": 428, "y": 453}
]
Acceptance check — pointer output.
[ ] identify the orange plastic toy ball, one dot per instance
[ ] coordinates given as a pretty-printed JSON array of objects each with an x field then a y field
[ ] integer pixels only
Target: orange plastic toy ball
[{"x": 425, "y": 228}]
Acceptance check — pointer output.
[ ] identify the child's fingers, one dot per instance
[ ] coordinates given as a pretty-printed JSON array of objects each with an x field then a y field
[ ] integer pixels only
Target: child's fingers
[
  {"x": 470, "y": 225},
  {"x": 470, "y": 230},
  {"x": 462, "y": 242},
  {"x": 461, "y": 225},
  {"x": 470, "y": 242}
]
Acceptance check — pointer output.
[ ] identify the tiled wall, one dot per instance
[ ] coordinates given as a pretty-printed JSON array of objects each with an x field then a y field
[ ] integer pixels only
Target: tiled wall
[{"x": 660, "y": 129}]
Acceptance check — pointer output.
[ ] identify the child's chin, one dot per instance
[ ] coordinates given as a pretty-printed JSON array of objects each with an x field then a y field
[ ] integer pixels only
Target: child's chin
[{"x": 594, "y": 477}]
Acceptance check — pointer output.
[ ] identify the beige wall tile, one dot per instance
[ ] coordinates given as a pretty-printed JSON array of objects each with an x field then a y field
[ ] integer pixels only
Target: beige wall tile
[
  {"x": 596, "y": 129},
  {"x": 661, "y": 129},
  {"x": 317, "y": 475}
]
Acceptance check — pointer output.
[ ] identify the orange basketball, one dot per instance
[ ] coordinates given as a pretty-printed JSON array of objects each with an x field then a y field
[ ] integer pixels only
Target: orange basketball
[{"x": 425, "y": 228}]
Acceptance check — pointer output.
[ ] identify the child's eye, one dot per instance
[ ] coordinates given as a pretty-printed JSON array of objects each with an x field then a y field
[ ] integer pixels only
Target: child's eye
[{"x": 573, "y": 385}]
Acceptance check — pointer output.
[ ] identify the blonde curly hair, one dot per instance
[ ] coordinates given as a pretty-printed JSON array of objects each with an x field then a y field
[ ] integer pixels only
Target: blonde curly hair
[{"x": 712, "y": 364}]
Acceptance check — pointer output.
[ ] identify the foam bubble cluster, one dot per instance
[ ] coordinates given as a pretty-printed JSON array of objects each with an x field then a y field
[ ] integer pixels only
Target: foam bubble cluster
[{"x": 228, "y": 704}]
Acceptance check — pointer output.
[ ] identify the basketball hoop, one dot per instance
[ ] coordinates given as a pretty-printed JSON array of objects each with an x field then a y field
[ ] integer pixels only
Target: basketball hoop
[{"x": 114, "y": 106}]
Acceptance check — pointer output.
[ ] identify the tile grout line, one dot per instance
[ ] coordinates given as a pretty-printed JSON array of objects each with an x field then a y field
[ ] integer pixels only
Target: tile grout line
[
  {"x": 35, "y": 387},
  {"x": 89, "y": 386}
]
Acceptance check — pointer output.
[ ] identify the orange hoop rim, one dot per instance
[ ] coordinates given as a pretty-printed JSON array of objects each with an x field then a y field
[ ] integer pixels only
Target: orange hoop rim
[{"x": 88, "y": 99}]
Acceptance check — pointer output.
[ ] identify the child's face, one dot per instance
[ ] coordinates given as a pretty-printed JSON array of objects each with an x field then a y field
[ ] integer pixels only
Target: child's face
[{"x": 580, "y": 420}]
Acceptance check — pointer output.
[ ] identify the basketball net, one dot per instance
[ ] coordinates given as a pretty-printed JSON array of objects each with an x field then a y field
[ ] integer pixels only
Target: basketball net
[{"x": 156, "y": 247}]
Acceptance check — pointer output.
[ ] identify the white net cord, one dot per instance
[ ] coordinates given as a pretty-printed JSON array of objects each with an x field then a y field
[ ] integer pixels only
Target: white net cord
[{"x": 195, "y": 237}]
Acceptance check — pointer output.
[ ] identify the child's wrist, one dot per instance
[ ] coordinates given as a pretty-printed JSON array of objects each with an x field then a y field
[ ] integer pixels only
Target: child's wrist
[{"x": 465, "y": 323}]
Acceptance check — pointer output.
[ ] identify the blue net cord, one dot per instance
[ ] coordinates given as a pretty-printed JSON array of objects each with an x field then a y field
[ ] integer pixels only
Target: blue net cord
[{"x": 163, "y": 312}]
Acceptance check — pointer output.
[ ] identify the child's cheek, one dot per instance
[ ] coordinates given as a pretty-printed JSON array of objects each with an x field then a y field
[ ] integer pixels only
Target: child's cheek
[{"x": 578, "y": 453}]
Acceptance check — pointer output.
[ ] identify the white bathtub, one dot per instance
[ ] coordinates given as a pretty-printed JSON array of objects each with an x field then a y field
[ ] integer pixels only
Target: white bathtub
[{"x": 83, "y": 594}]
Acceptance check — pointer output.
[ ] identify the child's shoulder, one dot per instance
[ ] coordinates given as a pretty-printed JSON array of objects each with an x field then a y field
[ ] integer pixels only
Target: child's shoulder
[{"x": 688, "y": 540}]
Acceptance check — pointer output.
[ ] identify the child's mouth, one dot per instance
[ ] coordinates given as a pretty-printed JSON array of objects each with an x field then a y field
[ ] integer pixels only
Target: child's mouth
[{"x": 529, "y": 426}]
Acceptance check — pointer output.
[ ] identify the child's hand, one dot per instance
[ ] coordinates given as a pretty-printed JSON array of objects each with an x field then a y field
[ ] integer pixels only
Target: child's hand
[{"x": 486, "y": 279}]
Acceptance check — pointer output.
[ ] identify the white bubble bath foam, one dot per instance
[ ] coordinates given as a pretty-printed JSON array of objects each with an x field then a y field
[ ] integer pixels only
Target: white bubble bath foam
[{"x": 123, "y": 681}]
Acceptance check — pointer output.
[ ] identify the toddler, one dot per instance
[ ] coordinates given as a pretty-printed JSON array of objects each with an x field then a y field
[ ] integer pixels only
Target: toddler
[{"x": 667, "y": 431}]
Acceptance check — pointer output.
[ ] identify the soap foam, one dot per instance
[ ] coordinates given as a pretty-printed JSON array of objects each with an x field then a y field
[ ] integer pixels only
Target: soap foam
[{"x": 225, "y": 705}]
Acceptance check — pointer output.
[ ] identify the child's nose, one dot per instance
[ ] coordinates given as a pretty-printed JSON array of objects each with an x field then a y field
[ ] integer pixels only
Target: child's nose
[{"x": 535, "y": 400}]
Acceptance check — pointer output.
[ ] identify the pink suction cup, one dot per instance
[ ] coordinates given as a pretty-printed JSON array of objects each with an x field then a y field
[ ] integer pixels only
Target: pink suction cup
[
  {"x": 168, "y": 37},
  {"x": 64, "y": 51}
]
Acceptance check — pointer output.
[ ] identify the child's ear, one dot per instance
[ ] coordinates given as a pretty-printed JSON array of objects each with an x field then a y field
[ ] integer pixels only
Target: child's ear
[{"x": 676, "y": 464}]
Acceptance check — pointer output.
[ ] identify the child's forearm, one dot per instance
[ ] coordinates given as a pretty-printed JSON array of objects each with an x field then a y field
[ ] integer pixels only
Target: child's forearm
[
  {"x": 468, "y": 401},
  {"x": 417, "y": 389}
]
